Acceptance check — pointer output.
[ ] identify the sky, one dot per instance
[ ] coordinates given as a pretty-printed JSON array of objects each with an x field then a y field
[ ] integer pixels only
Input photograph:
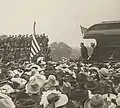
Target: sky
[{"x": 59, "y": 19}]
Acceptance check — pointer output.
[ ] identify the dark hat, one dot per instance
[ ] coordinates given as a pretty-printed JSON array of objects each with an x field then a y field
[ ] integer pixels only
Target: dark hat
[
  {"x": 79, "y": 95},
  {"x": 90, "y": 85},
  {"x": 23, "y": 100},
  {"x": 81, "y": 77},
  {"x": 53, "y": 97}
]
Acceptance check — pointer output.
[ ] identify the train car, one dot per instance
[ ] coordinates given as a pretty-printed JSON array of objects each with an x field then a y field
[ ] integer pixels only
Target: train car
[{"x": 107, "y": 36}]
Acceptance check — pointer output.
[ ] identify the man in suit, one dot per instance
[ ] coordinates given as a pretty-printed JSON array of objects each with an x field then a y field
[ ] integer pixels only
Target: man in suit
[{"x": 84, "y": 51}]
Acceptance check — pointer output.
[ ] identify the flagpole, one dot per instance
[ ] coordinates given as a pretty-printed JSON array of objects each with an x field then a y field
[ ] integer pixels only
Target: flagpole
[
  {"x": 34, "y": 24},
  {"x": 34, "y": 28}
]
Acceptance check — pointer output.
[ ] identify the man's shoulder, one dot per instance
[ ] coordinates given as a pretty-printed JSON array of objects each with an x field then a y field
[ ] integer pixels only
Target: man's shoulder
[
  {"x": 105, "y": 82},
  {"x": 84, "y": 47}
]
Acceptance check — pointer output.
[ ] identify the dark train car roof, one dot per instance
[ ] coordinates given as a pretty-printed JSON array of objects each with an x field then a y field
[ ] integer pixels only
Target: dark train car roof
[{"x": 103, "y": 29}]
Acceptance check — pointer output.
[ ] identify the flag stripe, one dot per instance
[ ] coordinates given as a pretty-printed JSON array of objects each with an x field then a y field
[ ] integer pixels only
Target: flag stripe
[
  {"x": 31, "y": 55},
  {"x": 34, "y": 47},
  {"x": 35, "y": 41},
  {"x": 33, "y": 51}
]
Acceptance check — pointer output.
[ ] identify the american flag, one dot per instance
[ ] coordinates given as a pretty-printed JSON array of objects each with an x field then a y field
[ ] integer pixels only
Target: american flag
[
  {"x": 35, "y": 48},
  {"x": 83, "y": 30}
]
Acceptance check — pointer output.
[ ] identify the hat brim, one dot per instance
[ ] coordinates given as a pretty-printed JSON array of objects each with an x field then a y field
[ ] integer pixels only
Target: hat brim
[
  {"x": 95, "y": 69},
  {"x": 46, "y": 86},
  {"x": 87, "y": 104},
  {"x": 109, "y": 97},
  {"x": 61, "y": 89},
  {"x": 56, "y": 83},
  {"x": 90, "y": 88},
  {"x": 35, "y": 66},
  {"x": 103, "y": 76},
  {"x": 63, "y": 100},
  {"x": 67, "y": 89},
  {"x": 34, "y": 91}
]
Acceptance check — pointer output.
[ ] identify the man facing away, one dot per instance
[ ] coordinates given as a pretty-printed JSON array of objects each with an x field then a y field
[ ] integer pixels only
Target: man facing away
[{"x": 84, "y": 51}]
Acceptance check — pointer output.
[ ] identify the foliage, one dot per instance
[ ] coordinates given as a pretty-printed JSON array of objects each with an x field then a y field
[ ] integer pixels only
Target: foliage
[
  {"x": 75, "y": 53},
  {"x": 59, "y": 50}
]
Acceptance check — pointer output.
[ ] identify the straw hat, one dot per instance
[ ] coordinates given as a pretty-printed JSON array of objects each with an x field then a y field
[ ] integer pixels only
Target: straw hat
[
  {"x": 65, "y": 66},
  {"x": 104, "y": 73},
  {"x": 52, "y": 81},
  {"x": 61, "y": 101},
  {"x": 109, "y": 98},
  {"x": 117, "y": 65},
  {"x": 7, "y": 89},
  {"x": 94, "y": 69},
  {"x": 36, "y": 67},
  {"x": 34, "y": 85},
  {"x": 20, "y": 81},
  {"x": 96, "y": 101},
  {"x": 118, "y": 99},
  {"x": 28, "y": 66},
  {"x": 66, "y": 87},
  {"x": 6, "y": 102},
  {"x": 16, "y": 72}
]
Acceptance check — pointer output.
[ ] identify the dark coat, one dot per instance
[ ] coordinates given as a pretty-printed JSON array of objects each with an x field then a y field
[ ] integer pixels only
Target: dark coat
[
  {"x": 106, "y": 86},
  {"x": 84, "y": 52}
]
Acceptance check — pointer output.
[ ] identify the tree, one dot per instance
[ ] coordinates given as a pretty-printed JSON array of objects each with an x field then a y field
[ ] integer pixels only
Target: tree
[{"x": 59, "y": 50}]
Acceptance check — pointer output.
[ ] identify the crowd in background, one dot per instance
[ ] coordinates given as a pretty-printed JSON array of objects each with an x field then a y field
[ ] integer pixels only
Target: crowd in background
[
  {"x": 43, "y": 83},
  {"x": 15, "y": 47},
  {"x": 63, "y": 84}
]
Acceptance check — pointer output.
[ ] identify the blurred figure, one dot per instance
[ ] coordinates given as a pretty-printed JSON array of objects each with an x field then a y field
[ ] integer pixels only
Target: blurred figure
[
  {"x": 106, "y": 85},
  {"x": 91, "y": 48},
  {"x": 6, "y": 102},
  {"x": 84, "y": 51}
]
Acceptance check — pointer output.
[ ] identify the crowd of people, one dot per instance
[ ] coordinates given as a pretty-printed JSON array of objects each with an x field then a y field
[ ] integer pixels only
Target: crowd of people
[
  {"x": 14, "y": 47},
  {"x": 63, "y": 84}
]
